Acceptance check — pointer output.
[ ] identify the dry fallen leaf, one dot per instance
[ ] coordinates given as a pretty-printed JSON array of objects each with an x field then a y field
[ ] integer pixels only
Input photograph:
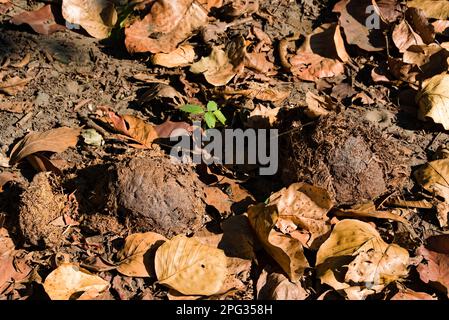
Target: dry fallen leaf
[
  {"x": 69, "y": 281},
  {"x": 435, "y": 269},
  {"x": 353, "y": 18},
  {"x": 13, "y": 85},
  {"x": 217, "y": 68},
  {"x": 276, "y": 286},
  {"x": 137, "y": 256},
  {"x": 322, "y": 54},
  {"x": 56, "y": 140},
  {"x": 371, "y": 263},
  {"x": 263, "y": 117},
  {"x": 318, "y": 106},
  {"x": 97, "y": 17},
  {"x": 13, "y": 268},
  {"x": 42, "y": 20},
  {"x": 408, "y": 294},
  {"x": 180, "y": 57},
  {"x": 190, "y": 267},
  {"x": 434, "y": 177},
  {"x": 6, "y": 177},
  {"x": 433, "y": 100},
  {"x": 169, "y": 23},
  {"x": 437, "y": 9},
  {"x": 286, "y": 250}
]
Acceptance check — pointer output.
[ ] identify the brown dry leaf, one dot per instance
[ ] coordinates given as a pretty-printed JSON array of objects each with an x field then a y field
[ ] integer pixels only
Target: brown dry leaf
[
  {"x": 15, "y": 107},
  {"x": 368, "y": 210},
  {"x": 286, "y": 250},
  {"x": 14, "y": 85},
  {"x": 216, "y": 68},
  {"x": 6, "y": 177},
  {"x": 218, "y": 199},
  {"x": 303, "y": 208},
  {"x": 407, "y": 294},
  {"x": 180, "y": 57},
  {"x": 13, "y": 268},
  {"x": 437, "y": 9},
  {"x": 434, "y": 177},
  {"x": 186, "y": 265},
  {"x": 263, "y": 117},
  {"x": 404, "y": 36},
  {"x": 372, "y": 263},
  {"x": 169, "y": 23},
  {"x": 322, "y": 54},
  {"x": 318, "y": 106},
  {"x": 420, "y": 24},
  {"x": 6, "y": 243},
  {"x": 435, "y": 269},
  {"x": 69, "y": 281},
  {"x": 433, "y": 100},
  {"x": 137, "y": 256},
  {"x": 276, "y": 286},
  {"x": 353, "y": 19},
  {"x": 42, "y": 20},
  {"x": 97, "y": 17},
  {"x": 137, "y": 129},
  {"x": 56, "y": 140},
  {"x": 275, "y": 94},
  {"x": 425, "y": 55},
  {"x": 388, "y": 10}
]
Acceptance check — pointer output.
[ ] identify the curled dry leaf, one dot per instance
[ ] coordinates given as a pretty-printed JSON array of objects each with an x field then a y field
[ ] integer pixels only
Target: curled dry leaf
[
  {"x": 437, "y": 9},
  {"x": 56, "y": 140},
  {"x": 137, "y": 256},
  {"x": 433, "y": 100},
  {"x": 42, "y": 20},
  {"x": 216, "y": 68},
  {"x": 169, "y": 23},
  {"x": 435, "y": 269},
  {"x": 69, "y": 281},
  {"x": 97, "y": 17},
  {"x": 303, "y": 209},
  {"x": 286, "y": 250},
  {"x": 318, "y": 106},
  {"x": 321, "y": 55},
  {"x": 6, "y": 177},
  {"x": 276, "y": 286},
  {"x": 371, "y": 263},
  {"x": 434, "y": 177},
  {"x": 180, "y": 57},
  {"x": 353, "y": 18},
  {"x": 404, "y": 36},
  {"x": 189, "y": 267},
  {"x": 263, "y": 117},
  {"x": 388, "y": 10}
]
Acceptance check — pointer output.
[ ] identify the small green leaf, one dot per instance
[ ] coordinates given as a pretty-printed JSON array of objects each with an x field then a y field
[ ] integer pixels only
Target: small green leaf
[
  {"x": 192, "y": 109},
  {"x": 210, "y": 119},
  {"x": 220, "y": 116},
  {"x": 212, "y": 106}
]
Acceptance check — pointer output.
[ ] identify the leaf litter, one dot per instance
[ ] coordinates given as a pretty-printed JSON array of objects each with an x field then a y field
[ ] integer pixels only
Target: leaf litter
[{"x": 359, "y": 205}]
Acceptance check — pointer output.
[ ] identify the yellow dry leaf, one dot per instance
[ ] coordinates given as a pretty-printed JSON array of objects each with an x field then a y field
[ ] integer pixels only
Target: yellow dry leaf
[
  {"x": 434, "y": 177},
  {"x": 189, "y": 267},
  {"x": 372, "y": 263},
  {"x": 183, "y": 56},
  {"x": 97, "y": 17},
  {"x": 137, "y": 256},
  {"x": 69, "y": 281},
  {"x": 437, "y": 9},
  {"x": 433, "y": 100},
  {"x": 286, "y": 250}
]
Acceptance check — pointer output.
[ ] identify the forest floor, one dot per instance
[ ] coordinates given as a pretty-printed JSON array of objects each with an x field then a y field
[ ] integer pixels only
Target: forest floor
[{"x": 360, "y": 172}]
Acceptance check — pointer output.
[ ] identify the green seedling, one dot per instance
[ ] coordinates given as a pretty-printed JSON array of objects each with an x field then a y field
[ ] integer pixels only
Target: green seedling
[{"x": 211, "y": 114}]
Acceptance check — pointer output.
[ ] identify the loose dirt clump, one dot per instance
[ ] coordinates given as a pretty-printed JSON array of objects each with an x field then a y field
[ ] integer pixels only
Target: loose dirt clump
[
  {"x": 153, "y": 194},
  {"x": 41, "y": 204},
  {"x": 353, "y": 160}
]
